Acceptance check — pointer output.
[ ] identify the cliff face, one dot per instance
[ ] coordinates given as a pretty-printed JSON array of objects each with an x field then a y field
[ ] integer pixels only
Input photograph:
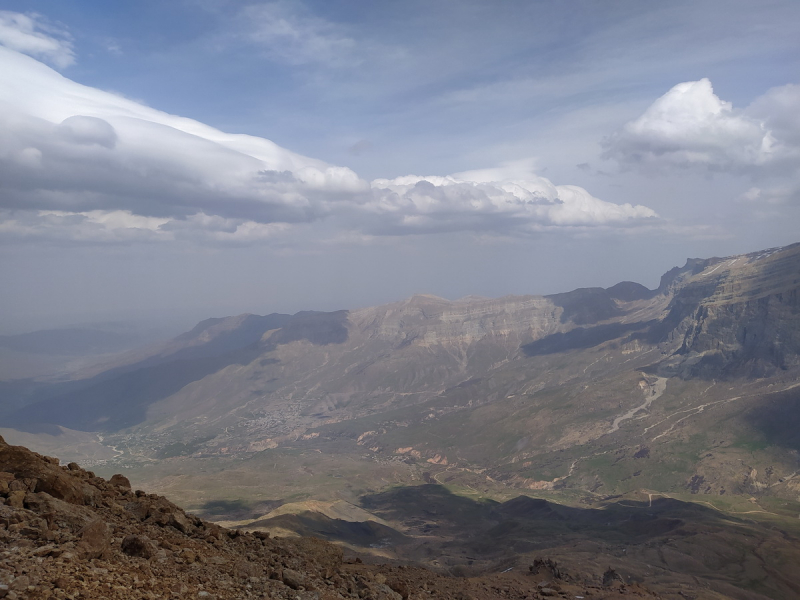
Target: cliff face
[
  {"x": 753, "y": 338},
  {"x": 740, "y": 316},
  {"x": 428, "y": 320},
  {"x": 65, "y": 533}
]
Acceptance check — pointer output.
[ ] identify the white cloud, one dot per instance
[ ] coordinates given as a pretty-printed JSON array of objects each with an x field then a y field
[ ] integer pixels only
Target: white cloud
[
  {"x": 690, "y": 126},
  {"x": 488, "y": 200},
  {"x": 83, "y": 164},
  {"x": 71, "y": 147},
  {"x": 30, "y": 34}
]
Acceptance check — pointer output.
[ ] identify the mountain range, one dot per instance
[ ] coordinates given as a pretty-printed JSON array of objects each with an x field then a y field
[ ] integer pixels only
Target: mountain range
[{"x": 405, "y": 430}]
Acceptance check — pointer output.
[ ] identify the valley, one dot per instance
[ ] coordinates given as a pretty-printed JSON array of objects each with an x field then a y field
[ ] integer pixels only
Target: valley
[{"x": 653, "y": 431}]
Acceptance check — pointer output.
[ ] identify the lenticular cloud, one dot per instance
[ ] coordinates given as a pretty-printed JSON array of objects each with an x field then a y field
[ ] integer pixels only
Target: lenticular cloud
[
  {"x": 96, "y": 150},
  {"x": 81, "y": 164}
]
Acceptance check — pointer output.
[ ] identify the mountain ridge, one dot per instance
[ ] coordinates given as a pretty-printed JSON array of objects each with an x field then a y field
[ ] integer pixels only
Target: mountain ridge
[{"x": 617, "y": 399}]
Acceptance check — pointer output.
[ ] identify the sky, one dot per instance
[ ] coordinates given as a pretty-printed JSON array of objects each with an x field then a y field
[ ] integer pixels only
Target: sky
[{"x": 200, "y": 158}]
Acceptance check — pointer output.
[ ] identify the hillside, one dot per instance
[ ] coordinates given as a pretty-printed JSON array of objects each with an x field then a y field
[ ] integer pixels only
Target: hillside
[{"x": 69, "y": 534}]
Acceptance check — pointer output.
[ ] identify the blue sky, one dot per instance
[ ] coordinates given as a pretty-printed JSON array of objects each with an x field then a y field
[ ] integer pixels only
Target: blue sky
[{"x": 552, "y": 144}]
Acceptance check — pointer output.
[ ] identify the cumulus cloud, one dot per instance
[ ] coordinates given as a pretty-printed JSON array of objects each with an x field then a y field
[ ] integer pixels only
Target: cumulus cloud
[
  {"x": 690, "y": 126},
  {"x": 31, "y": 34},
  {"x": 486, "y": 201},
  {"x": 82, "y": 164}
]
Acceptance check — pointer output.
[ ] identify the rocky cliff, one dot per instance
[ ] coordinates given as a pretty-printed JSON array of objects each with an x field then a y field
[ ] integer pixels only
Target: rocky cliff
[{"x": 736, "y": 317}]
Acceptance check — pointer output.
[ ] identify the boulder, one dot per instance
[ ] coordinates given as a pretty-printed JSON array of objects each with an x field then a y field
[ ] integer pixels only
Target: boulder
[
  {"x": 180, "y": 522},
  {"x": 5, "y": 479},
  {"x": 139, "y": 546},
  {"x": 120, "y": 481},
  {"x": 293, "y": 579},
  {"x": 16, "y": 499},
  {"x": 24, "y": 464},
  {"x": 95, "y": 539}
]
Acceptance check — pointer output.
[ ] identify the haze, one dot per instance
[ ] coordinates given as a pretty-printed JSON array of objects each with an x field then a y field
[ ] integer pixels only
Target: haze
[{"x": 201, "y": 158}]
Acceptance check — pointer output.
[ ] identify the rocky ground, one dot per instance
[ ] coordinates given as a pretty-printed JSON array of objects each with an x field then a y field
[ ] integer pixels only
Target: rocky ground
[{"x": 65, "y": 533}]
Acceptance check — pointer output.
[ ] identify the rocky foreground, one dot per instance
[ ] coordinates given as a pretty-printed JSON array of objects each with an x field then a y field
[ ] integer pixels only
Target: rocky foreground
[{"x": 65, "y": 533}]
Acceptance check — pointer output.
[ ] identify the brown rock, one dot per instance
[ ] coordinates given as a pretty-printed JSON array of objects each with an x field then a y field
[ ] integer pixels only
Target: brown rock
[
  {"x": 95, "y": 539},
  {"x": 34, "y": 529},
  {"x": 167, "y": 545},
  {"x": 48, "y": 507},
  {"x": 386, "y": 592},
  {"x": 401, "y": 587},
  {"x": 188, "y": 555},
  {"x": 20, "y": 583},
  {"x": 5, "y": 479},
  {"x": 16, "y": 499},
  {"x": 24, "y": 464},
  {"x": 179, "y": 588},
  {"x": 293, "y": 579},
  {"x": 217, "y": 560},
  {"x": 179, "y": 521},
  {"x": 139, "y": 546},
  {"x": 137, "y": 508},
  {"x": 120, "y": 481},
  {"x": 246, "y": 569},
  {"x": 21, "y": 485}
]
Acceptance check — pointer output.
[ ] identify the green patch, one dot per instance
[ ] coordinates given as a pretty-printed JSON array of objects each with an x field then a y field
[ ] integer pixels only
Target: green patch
[
  {"x": 690, "y": 450},
  {"x": 749, "y": 444}
]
